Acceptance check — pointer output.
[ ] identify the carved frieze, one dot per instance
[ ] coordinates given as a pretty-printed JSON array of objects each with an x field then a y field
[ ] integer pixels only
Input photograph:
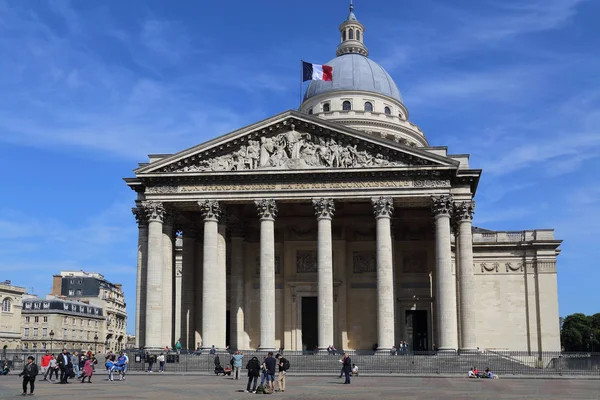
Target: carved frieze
[
  {"x": 364, "y": 262},
  {"x": 306, "y": 261},
  {"x": 291, "y": 150},
  {"x": 514, "y": 267},
  {"x": 489, "y": 267},
  {"x": 414, "y": 262}
]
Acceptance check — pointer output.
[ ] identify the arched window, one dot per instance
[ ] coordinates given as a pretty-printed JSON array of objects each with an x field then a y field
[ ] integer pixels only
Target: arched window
[
  {"x": 343, "y": 36},
  {"x": 400, "y": 116},
  {"x": 346, "y": 106},
  {"x": 310, "y": 111},
  {"x": 326, "y": 107},
  {"x": 369, "y": 106},
  {"x": 6, "y": 305},
  {"x": 357, "y": 34},
  {"x": 351, "y": 34},
  {"x": 387, "y": 111}
]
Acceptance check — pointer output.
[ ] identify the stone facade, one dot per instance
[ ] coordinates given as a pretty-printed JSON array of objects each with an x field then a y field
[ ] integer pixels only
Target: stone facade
[
  {"x": 336, "y": 225},
  {"x": 10, "y": 315}
]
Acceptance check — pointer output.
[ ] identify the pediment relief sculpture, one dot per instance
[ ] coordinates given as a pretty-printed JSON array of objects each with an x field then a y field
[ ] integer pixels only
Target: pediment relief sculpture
[{"x": 293, "y": 150}]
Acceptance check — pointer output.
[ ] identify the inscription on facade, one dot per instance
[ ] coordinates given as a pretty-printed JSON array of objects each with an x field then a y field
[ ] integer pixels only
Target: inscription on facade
[
  {"x": 299, "y": 186},
  {"x": 364, "y": 262}
]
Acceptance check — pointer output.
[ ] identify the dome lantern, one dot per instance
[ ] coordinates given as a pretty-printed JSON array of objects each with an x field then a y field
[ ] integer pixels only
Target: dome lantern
[{"x": 352, "y": 36}]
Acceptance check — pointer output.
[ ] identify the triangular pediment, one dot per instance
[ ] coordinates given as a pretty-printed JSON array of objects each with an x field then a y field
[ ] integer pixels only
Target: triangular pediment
[{"x": 294, "y": 141}]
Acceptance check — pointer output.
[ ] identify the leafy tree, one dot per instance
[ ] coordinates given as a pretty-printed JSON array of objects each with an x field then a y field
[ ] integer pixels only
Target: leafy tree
[{"x": 580, "y": 332}]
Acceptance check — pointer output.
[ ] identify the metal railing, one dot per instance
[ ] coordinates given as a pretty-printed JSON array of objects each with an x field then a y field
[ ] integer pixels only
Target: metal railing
[{"x": 411, "y": 363}]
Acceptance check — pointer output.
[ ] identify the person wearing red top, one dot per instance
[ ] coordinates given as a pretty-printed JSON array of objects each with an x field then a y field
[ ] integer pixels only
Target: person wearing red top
[{"x": 45, "y": 363}]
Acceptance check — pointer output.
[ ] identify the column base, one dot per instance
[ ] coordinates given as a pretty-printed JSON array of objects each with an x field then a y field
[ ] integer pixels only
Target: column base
[
  {"x": 267, "y": 349},
  {"x": 446, "y": 351},
  {"x": 383, "y": 351},
  {"x": 468, "y": 351}
]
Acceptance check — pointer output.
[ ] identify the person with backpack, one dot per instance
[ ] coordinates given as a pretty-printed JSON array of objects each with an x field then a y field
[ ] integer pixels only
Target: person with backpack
[
  {"x": 284, "y": 365},
  {"x": 253, "y": 368}
]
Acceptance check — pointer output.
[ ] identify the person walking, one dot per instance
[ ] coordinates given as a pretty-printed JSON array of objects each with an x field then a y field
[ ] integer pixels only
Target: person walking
[
  {"x": 45, "y": 364},
  {"x": 347, "y": 368},
  {"x": 52, "y": 368},
  {"x": 161, "y": 362},
  {"x": 253, "y": 368},
  {"x": 30, "y": 371},
  {"x": 63, "y": 361},
  {"x": 284, "y": 365},
  {"x": 75, "y": 361},
  {"x": 88, "y": 369},
  {"x": 237, "y": 364}
]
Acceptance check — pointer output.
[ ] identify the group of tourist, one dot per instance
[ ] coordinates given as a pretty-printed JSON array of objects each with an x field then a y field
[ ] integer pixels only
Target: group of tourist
[
  {"x": 474, "y": 373},
  {"x": 152, "y": 359},
  {"x": 71, "y": 366}
]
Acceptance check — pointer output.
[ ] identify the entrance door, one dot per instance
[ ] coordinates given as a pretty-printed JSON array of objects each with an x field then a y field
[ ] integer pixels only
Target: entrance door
[
  {"x": 310, "y": 326},
  {"x": 416, "y": 330}
]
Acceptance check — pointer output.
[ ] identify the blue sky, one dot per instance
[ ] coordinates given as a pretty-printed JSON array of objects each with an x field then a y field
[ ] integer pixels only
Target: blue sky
[{"x": 87, "y": 89}]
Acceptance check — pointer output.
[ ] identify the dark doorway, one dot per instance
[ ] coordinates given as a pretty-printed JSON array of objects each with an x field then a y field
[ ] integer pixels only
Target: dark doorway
[
  {"x": 228, "y": 329},
  {"x": 416, "y": 330},
  {"x": 310, "y": 326}
]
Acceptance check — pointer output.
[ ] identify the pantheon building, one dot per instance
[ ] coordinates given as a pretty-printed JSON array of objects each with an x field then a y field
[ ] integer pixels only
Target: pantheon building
[{"x": 334, "y": 224}]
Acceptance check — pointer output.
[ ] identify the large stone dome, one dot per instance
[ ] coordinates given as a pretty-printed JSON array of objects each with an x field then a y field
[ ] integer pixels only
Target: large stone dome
[{"x": 355, "y": 72}]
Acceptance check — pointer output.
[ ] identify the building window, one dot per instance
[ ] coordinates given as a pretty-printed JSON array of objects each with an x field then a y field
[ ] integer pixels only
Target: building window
[
  {"x": 35, "y": 332},
  {"x": 26, "y": 334},
  {"x": 89, "y": 322},
  {"x": 79, "y": 281},
  {"x": 310, "y": 111},
  {"x": 82, "y": 322},
  {"x": 78, "y": 292},
  {"x": 6, "y": 305},
  {"x": 400, "y": 116},
  {"x": 350, "y": 34},
  {"x": 357, "y": 34},
  {"x": 44, "y": 332},
  {"x": 326, "y": 107},
  {"x": 45, "y": 319},
  {"x": 346, "y": 106},
  {"x": 74, "y": 322},
  {"x": 343, "y": 36},
  {"x": 36, "y": 319},
  {"x": 96, "y": 325},
  {"x": 73, "y": 333},
  {"x": 46, "y": 305},
  {"x": 66, "y": 320},
  {"x": 387, "y": 111},
  {"x": 27, "y": 306},
  {"x": 26, "y": 320},
  {"x": 71, "y": 292},
  {"x": 72, "y": 281},
  {"x": 26, "y": 345},
  {"x": 65, "y": 333},
  {"x": 369, "y": 106}
]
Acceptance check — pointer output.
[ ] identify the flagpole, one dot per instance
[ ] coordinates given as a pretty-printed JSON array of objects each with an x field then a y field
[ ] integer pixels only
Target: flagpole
[{"x": 301, "y": 80}]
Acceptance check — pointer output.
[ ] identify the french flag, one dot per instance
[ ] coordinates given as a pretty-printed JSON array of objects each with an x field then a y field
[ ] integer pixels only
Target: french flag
[{"x": 316, "y": 72}]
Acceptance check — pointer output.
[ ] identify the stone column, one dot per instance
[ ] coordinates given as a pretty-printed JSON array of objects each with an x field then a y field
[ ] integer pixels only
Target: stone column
[
  {"x": 445, "y": 287},
  {"x": 178, "y": 290},
  {"x": 168, "y": 271},
  {"x": 324, "y": 209},
  {"x": 463, "y": 212},
  {"x": 267, "y": 211},
  {"x": 211, "y": 212},
  {"x": 142, "y": 274},
  {"x": 188, "y": 288},
  {"x": 237, "y": 290},
  {"x": 220, "y": 312},
  {"x": 155, "y": 212},
  {"x": 383, "y": 208}
]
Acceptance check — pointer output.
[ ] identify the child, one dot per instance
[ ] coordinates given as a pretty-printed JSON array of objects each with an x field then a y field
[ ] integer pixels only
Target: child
[{"x": 30, "y": 371}]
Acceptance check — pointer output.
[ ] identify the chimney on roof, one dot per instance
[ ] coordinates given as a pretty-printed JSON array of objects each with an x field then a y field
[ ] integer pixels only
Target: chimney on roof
[{"x": 56, "y": 285}]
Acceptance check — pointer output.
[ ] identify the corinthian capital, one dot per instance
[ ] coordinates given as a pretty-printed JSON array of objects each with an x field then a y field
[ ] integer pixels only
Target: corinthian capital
[
  {"x": 266, "y": 208},
  {"x": 211, "y": 209},
  {"x": 324, "y": 208},
  {"x": 464, "y": 211},
  {"x": 155, "y": 210},
  {"x": 140, "y": 216},
  {"x": 442, "y": 205},
  {"x": 383, "y": 206}
]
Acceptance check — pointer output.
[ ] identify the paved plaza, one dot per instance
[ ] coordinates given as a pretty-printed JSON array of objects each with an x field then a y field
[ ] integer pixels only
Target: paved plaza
[{"x": 171, "y": 387}]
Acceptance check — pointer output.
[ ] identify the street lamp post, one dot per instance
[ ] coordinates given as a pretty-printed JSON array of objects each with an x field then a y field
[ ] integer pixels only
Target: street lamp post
[
  {"x": 95, "y": 343},
  {"x": 51, "y": 339}
]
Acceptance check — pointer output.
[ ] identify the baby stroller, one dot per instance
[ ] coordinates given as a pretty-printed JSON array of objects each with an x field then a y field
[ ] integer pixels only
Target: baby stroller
[{"x": 218, "y": 368}]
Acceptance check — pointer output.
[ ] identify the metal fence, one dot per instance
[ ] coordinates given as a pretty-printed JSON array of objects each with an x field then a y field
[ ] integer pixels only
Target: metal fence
[{"x": 412, "y": 363}]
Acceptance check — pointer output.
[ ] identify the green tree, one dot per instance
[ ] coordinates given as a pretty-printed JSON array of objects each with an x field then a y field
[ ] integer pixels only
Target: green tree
[{"x": 580, "y": 332}]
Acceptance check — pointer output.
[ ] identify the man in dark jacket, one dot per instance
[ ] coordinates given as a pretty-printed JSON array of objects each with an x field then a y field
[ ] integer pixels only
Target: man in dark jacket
[
  {"x": 30, "y": 371},
  {"x": 64, "y": 363},
  {"x": 347, "y": 368},
  {"x": 253, "y": 368}
]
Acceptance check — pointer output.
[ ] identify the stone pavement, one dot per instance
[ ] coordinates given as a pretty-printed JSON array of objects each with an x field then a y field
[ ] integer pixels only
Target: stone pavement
[{"x": 172, "y": 386}]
